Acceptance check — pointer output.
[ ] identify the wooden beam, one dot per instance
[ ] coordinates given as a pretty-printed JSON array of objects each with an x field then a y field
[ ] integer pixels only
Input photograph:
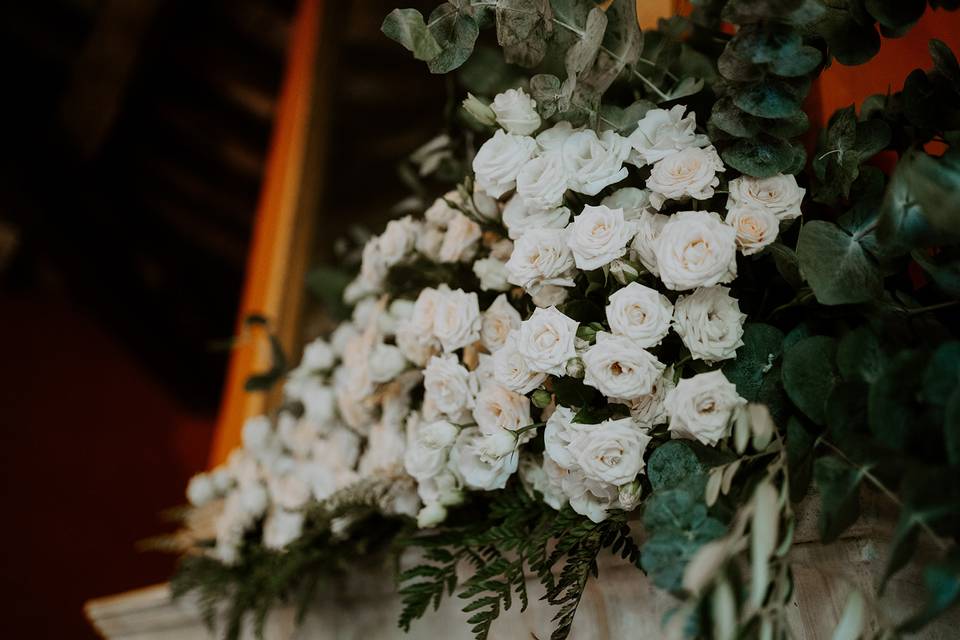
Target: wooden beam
[{"x": 283, "y": 231}]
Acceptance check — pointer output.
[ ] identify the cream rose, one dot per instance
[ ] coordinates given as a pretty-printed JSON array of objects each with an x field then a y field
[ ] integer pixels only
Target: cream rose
[
  {"x": 661, "y": 133},
  {"x": 589, "y": 497},
  {"x": 447, "y": 386},
  {"x": 492, "y": 274},
  {"x": 549, "y": 295},
  {"x": 498, "y": 408},
  {"x": 516, "y": 112},
  {"x": 552, "y": 139},
  {"x": 779, "y": 194},
  {"x": 282, "y": 527},
  {"x": 457, "y": 320},
  {"x": 386, "y": 362},
  {"x": 499, "y": 160},
  {"x": 558, "y": 433},
  {"x": 318, "y": 355},
  {"x": 691, "y": 173},
  {"x": 499, "y": 320},
  {"x": 511, "y": 370},
  {"x": 696, "y": 249},
  {"x": 620, "y": 368},
  {"x": 756, "y": 228},
  {"x": 459, "y": 240},
  {"x": 546, "y": 340},
  {"x": 639, "y": 313},
  {"x": 542, "y": 182},
  {"x": 544, "y": 478},
  {"x": 398, "y": 240},
  {"x": 598, "y": 236},
  {"x": 519, "y": 219},
  {"x": 649, "y": 410},
  {"x": 593, "y": 162},
  {"x": 541, "y": 257},
  {"x": 611, "y": 451},
  {"x": 702, "y": 407},
  {"x": 373, "y": 269},
  {"x": 479, "y": 471},
  {"x": 644, "y": 245},
  {"x": 710, "y": 324}
]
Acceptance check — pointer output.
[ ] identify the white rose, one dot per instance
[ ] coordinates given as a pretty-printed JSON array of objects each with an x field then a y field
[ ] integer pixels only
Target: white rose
[
  {"x": 386, "y": 362},
  {"x": 702, "y": 407},
  {"x": 589, "y": 497},
  {"x": 691, "y": 173},
  {"x": 592, "y": 162},
  {"x": 756, "y": 228},
  {"x": 431, "y": 515},
  {"x": 397, "y": 240},
  {"x": 696, "y": 249},
  {"x": 499, "y": 320},
  {"x": 476, "y": 470},
  {"x": 519, "y": 219},
  {"x": 317, "y": 356},
  {"x": 486, "y": 206},
  {"x": 644, "y": 245},
  {"x": 423, "y": 461},
  {"x": 710, "y": 324},
  {"x": 447, "y": 385},
  {"x": 364, "y": 311},
  {"x": 430, "y": 241},
  {"x": 289, "y": 491},
  {"x": 611, "y": 451},
  {"x": 200, "y": 490},
  {"x": 516, "y": 112},
  {"x": 648, "y": 410},
  {"x": 546, "y": 340},
  {"x": 484, "y": 373},
  {"x": 492, "y": 274},
  {"x": 415, "y": 346},
  {"x": 541, "y": 257},
  {"x": 386, "y": 446},
  {"x": 254, "y": 499},
  {"x": 661, "y": 133},
  {"x": 343, "y": 334},
  {"x": 319, "y": 403},
  {"x": 499, "y": 160},
  {"x": 633, "y": 201},
  {"x": 598, "y": 236},
  {"x": 443, "y": 488},
  {"x": 549, "y": 295},
  {"x": 545, "y": 478},
  {"x": 441, "y": 212},
  {"x": 257, "y": 434},
  {"x": 640, "y": 313},
  {"x": 373, "y": 269},
  {"x": 500, "y": 409},
  {"x": 552, "y": 139},
  {"x": 779, "y": 194},
  {"x": 558, "y": 433},
  {"x": 511, "y": 370},
  {"x": 424, "y": 312},
  {"x": 438, "y": 434},
  {"x": 498, "y": 444},
  {"x": 281, "y": 528},
  {"x": 542, "y": 182},
  {"x": 620, "y": 368},
  {"x": 457, "y": 320},
  {"x": 460, "y": 240}
]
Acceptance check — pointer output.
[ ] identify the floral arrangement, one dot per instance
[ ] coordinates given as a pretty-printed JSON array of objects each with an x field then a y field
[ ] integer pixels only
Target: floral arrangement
[{"x": 626, "y": 326}]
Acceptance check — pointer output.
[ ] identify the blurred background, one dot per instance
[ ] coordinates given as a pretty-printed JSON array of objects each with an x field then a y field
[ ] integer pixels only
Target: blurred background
[{"x": 135, "y": 137}]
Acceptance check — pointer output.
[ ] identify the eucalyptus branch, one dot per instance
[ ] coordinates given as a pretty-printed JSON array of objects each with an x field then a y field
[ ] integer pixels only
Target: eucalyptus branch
[{"x": 894, "y": 498}]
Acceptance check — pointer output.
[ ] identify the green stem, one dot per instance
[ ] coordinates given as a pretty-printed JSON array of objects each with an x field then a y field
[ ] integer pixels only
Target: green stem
[{"x": 932, "y": 307}]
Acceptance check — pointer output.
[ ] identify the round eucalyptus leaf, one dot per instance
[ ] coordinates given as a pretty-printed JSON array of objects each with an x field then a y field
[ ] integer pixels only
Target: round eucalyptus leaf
[
  {"x": 836, "y": 265},
  {"x": 809, "y": 374}
]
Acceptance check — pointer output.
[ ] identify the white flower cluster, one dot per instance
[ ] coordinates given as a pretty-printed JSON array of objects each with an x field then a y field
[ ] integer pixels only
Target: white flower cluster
[{"x": 444, "y": 393}]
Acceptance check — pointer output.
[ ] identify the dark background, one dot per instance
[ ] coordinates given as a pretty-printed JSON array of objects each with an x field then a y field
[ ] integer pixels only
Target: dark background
[{"x": 134, "y": 135}]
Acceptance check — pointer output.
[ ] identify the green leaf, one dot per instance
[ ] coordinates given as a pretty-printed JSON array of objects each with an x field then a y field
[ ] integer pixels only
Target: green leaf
[
  {"x": 893, "y": 405},
  {"x": 523, "y": 28},
  {"x": 762, "y": 156},
  {"x": 942, "y": 375},
  {"x": 896, "y": 14},
  {"x": 571, "y": 392},
  {"x": 945, "y": 64},
  {"x": 455, "y": 31},
  {"x": 934, "y": 183},
  {"x": 942, "y": 580},
  {"x": 860, "y": 356},
  {"x": 545, "y": 89},
  {"x": 851, "y": 42},
  {"x": 839, "y": 486},
  {"x": 801, "y": 62},
  {"x": 846, "y": 411},
  {"x": 762, "y": 345},
  {"x": 407, "y": 27},
  {"x": 902, "y": 224},
  {"x": 769, "y": 99},
  {"x": 787, "y": 263},
  {"x": 809, "y": 374},
  {"x": 836, "y": 265},
  {"x": 951, "y": 428},
  {"x": 943, "y": 268}
]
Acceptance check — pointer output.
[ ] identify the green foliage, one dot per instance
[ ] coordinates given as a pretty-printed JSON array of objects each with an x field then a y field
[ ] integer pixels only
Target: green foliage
[
  {"x": 843, "y": 147},
  {"x": 513, "y": 536},
  {"x": 942, "y": 581},
  {"x": 837, "y": 265},
  {"x": 762, "y": 346},
  {"x": 264, "y": 381},
  {"x": 809, "y": 374},
  {"x": 839, "y": 487}
]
